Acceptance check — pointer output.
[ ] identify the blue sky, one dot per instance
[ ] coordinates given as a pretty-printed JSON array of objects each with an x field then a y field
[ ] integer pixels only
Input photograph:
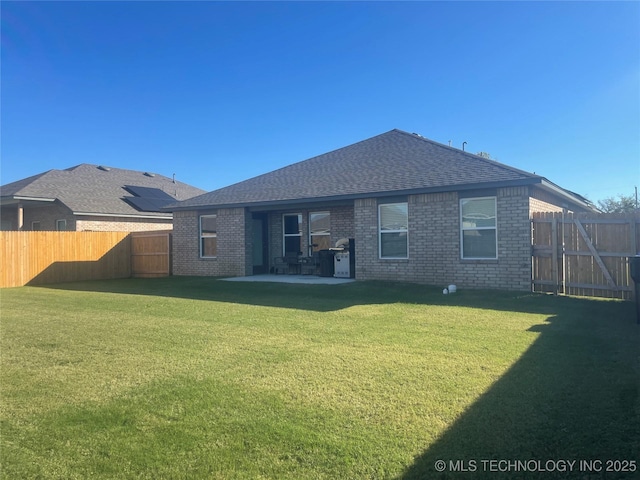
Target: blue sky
[{"x": 217, "y": 92}]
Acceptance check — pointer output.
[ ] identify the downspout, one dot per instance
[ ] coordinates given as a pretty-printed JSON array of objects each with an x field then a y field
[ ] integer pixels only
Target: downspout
[
  {"x": 20, "y": 216},
  {"x": 564, "y": 256}
]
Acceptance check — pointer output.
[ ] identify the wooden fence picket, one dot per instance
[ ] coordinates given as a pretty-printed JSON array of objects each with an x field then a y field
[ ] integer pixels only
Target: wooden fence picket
[{"x": 584, "y": 254}]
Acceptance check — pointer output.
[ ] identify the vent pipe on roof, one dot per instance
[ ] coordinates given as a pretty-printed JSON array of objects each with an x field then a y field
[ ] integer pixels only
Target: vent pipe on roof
[
  {"x": 463, "y": 144},
  {"x": 174, "y": 178}
]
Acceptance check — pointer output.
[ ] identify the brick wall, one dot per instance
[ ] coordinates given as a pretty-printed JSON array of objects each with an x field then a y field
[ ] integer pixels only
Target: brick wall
[
  {"x": 541, "y": 201},
  {"x": 121, "y": 224},
  {"x": 47, "y": 216},
  {"x": 50, "y": 214},
  {"x": 365, "y": 219},
  {"x": 235, "y": 239},
  {"x": 434, "y": 244},
  {"x": 341, "y": 226},
  {"x": 233, "y": 249},
  {"x": 434, "y": 240}
]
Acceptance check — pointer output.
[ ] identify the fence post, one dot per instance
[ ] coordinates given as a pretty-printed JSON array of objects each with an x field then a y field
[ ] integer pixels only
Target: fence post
[{"x": 554, "y": 254}]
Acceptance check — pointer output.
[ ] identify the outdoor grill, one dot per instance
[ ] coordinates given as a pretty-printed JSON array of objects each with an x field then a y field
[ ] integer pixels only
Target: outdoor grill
[{"x": 344, "y": 258}]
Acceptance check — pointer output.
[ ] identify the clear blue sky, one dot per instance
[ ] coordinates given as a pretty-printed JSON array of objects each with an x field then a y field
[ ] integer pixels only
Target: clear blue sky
[{"x": 217, "y": 92}]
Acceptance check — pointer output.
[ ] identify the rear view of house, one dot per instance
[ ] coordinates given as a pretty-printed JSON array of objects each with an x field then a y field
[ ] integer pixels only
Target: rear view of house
[
  {"x": 91, "y": 197},
  {"x": 412, "y": 209}
]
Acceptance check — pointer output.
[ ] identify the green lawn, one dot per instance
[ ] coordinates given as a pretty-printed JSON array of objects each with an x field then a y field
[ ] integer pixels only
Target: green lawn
[{"x": 199, "y": 378}]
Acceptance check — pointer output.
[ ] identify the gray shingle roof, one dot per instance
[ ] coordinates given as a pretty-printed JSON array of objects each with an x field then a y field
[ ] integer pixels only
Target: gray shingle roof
[
  {"x": 88, "y": 188},
  {"x": 395, "y": 161}
]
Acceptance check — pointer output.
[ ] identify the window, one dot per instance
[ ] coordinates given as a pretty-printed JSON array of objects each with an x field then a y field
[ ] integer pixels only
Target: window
[
  {"x": 208, "y": 236},
  {"x": 478, "y": 231},
  {"x": 61, "y": 225},
  {"x": 292, "y": 228},
  {"x": 319, "y": 231},
  {"x": 35, "y": 226},
  {"x": 393, "y": 221}
]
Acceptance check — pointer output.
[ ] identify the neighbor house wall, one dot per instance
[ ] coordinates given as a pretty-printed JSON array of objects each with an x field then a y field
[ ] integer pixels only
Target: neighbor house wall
[
  {"x": 121, "y": 224},
  {"x": 233, "y": 249},
  {"x": 46, "y": 215},
  {"x": 541, "y": 201}
]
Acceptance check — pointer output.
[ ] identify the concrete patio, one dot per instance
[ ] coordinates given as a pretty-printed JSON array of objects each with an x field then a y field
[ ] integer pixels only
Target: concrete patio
[{"x": 298, "y": 279}]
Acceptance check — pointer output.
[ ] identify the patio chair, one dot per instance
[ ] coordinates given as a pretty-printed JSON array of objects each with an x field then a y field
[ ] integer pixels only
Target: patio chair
[
  {"x": 309, "y": 265},
  {"x": 279, "y": 266},
  {"x": 293, "y": 262}
]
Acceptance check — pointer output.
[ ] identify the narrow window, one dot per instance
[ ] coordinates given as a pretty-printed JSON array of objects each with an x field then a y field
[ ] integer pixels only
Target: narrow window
[
  {"x": 61, "y": 225},
  {"x": 478, "y": 228},
  {"x": 35, "y": 226},
  {"x": 393, "y": 219},
  {"x": 319, "y": 231},
  {"x": 292, "y": 233},
  {"x": 208, "y": 236}
]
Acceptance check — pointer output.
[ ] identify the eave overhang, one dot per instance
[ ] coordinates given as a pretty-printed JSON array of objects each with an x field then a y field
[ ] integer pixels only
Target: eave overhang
[
  {"x": 24, "y": 200},
  {"x": 573, "y": 200}
]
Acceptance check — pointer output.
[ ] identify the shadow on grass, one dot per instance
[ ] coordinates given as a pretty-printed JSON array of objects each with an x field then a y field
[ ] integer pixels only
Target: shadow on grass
[
  {"x": 573, "y": 396},
  {"x": 324, "y": 298}
]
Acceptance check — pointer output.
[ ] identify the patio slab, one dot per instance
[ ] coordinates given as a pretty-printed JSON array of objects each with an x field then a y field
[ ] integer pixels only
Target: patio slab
[{"x": 299, "y": 279}]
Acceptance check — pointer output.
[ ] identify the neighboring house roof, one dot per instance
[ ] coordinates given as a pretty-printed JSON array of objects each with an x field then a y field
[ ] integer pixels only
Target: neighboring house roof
[
  {"x": 392, "y": 163},
  {"x": 98, "y": 190}
]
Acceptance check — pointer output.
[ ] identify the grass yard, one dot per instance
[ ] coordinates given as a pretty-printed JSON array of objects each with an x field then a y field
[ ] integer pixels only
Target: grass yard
[{"x": 198, "y": 378}]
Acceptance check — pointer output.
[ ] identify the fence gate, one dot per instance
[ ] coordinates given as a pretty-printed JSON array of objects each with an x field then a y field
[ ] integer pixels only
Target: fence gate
[
  {"x": 151, "y": 254},
  {"x": 584, "y": 254}
]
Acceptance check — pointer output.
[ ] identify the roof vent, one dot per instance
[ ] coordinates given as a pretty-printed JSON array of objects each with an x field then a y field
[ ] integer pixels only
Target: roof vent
[
  {"x": 149, "y": 174},
  {"x": 104, "y": 169}
]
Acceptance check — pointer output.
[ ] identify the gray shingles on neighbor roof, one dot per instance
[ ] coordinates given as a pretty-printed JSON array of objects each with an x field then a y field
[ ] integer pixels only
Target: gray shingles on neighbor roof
[
  {"x": 88, "y": 188},
  {"x": 395, "y": 161}
]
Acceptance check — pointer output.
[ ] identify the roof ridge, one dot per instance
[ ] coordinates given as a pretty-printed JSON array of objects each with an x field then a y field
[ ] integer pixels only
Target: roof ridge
[{"x": 476, "y": 156}]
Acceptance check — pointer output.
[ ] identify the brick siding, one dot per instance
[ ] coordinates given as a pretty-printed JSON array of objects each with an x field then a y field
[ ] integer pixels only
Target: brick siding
[
  {"x": 541, "y": 201},
  {"x": 433, "y": 240},
  {"x": 49, "y": 215},
  {"x": 232, "y": 248},
  {"x": 434, "y": 244},
  {"x": 121, "y": 224},
  {"x": 341, "y": 226}
]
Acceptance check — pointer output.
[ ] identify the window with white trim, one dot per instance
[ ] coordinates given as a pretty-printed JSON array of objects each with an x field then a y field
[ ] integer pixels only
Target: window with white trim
[
  {"x": 208, "y": 236},
  {"x": 478, "y": 228},
  {"x": 319, "y": 231},
  {"x": 393, "y": 228},
  {"x": 292, "y": 233}
]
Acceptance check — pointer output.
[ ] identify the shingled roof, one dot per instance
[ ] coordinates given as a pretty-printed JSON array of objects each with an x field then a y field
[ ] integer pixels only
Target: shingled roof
[
  {"x": 93, "y": 189},
  {"x": 392, "y": 163}
]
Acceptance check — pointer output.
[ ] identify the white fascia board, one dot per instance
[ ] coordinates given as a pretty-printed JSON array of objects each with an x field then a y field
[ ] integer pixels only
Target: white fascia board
[
  {"x": 123, "y": 215},
  {"x": 33, "y": 199}
]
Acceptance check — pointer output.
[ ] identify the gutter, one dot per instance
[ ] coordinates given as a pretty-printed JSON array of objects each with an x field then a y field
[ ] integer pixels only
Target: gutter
[
  {"x": 355, "y": 196},
  {"x": 570, "y": 196},
  {"x": 11, "y": 199},
  {"x": 166, "y": 216},
  {"x": 533, "y": 180}
]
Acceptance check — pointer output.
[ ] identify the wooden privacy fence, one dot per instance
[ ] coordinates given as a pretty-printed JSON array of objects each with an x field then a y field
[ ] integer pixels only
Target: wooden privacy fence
[
  {"x": 151, "y": 254},
  {"x": 36, "y": 258},
  {"x": 584, "y": 254}
]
